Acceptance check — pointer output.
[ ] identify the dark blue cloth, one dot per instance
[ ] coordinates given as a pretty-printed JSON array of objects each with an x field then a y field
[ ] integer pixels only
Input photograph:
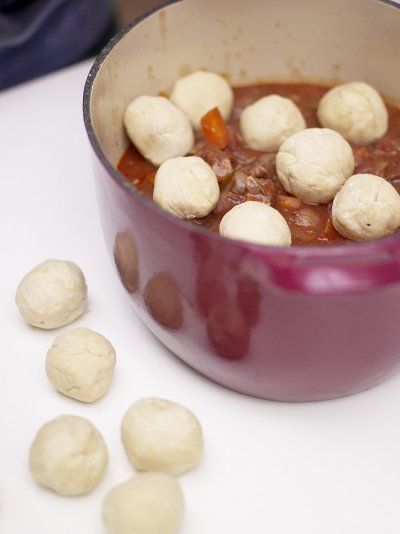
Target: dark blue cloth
[{"x": 38, "y": 36}]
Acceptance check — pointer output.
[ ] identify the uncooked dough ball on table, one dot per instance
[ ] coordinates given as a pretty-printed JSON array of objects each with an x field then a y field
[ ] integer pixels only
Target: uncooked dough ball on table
[
  {"x": 53, "y": 294},
  {"x": 257, "y": 223},
  {"x": 367, "y": 207},
  {"x": 68, "y": 455},
  {"x": 186, "y": 187},
  {"x": 200, "y": 92},
  {"x": 314, "y": 164},
  {"x": 355, "y": 110},
  {"x": 160, "y": 435},
  {"x": 148, "y": 503},
  {"x": 265, "y": 124},
  {"x": 158, "y": 129},
  {"x": 81, "y": 364}
]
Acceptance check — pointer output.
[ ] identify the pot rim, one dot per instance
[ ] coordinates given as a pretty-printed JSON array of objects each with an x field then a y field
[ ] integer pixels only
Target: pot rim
[{"x": 315, "y": 252}]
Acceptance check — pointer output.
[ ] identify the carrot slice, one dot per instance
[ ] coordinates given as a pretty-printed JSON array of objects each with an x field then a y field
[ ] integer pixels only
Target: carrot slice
[{"x": 214, "y": 129}]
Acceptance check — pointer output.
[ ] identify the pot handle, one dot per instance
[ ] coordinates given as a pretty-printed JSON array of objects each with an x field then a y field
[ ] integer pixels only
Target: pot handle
[{"x": 328, "y": 274}]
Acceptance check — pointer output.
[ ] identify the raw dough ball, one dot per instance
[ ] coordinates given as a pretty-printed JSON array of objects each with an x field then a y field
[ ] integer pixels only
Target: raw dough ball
[
  {"x": 148, "y": 503},
  {"x": 53, "y": 294},
  {"x": 160, "y": 435},
  {"x": 81, "y": 364},
  {"x": 158, "y": 129},
  {"x": 265, "y": 124},
  {"x": 186, "y": 187},
  {"x": 356, "y": 111},
  {"x": 201, "y": 92},
  {"x": 256, "y": 222},
  {"x": 68, "y": 455},
  {"x": 314, "y": 164},
  {"x": 366, "y": 207}
]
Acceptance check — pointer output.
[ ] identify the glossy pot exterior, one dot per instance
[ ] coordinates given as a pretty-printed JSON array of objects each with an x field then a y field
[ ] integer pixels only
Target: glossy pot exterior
[{"x": 287, "y": 324}]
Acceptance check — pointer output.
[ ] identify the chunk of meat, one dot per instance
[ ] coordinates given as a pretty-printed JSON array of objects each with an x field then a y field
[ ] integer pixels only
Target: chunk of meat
[
  {"x": 387, "y": 147},
  {"x": 307, "y": 218},
  {"x": 247, "y": 187},
  {"x": 287, "y": 202},
  {"x": 382, "y": 159},
  {"x": 231, "y": 197},
  {"x": 227, "y": 200},
  {"x": 235, "y": 141},
  {"x": 306, "y": 223},
  {"x": 219, "y": 160},
  {"x": 258, "y": 163}
]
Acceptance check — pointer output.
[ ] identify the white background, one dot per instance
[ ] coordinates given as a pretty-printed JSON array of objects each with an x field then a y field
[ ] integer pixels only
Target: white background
[{"x": 273, "y": 468}]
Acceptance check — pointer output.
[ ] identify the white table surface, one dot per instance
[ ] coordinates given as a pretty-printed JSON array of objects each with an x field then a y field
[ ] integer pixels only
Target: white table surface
[{"x": 269, "y": 468}]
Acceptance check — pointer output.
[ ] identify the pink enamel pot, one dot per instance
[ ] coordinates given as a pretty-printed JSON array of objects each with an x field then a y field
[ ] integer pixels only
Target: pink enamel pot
[{"x": 295, "y": 324}]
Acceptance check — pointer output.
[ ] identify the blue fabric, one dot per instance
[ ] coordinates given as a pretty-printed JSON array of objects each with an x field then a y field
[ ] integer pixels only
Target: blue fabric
[{"x": 38, "y": 36}]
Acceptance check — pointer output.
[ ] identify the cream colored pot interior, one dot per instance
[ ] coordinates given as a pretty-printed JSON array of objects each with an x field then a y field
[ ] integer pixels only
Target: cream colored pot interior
[{"x": 248, "y": 41}]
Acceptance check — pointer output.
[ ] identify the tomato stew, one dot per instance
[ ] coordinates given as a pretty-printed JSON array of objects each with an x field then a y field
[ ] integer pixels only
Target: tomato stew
[{"x": 246, "y": 174}]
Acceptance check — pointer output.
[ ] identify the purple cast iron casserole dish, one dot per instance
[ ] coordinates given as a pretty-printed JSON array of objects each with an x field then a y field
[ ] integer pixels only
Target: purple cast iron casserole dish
[{"x": 296, "y": 324}]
